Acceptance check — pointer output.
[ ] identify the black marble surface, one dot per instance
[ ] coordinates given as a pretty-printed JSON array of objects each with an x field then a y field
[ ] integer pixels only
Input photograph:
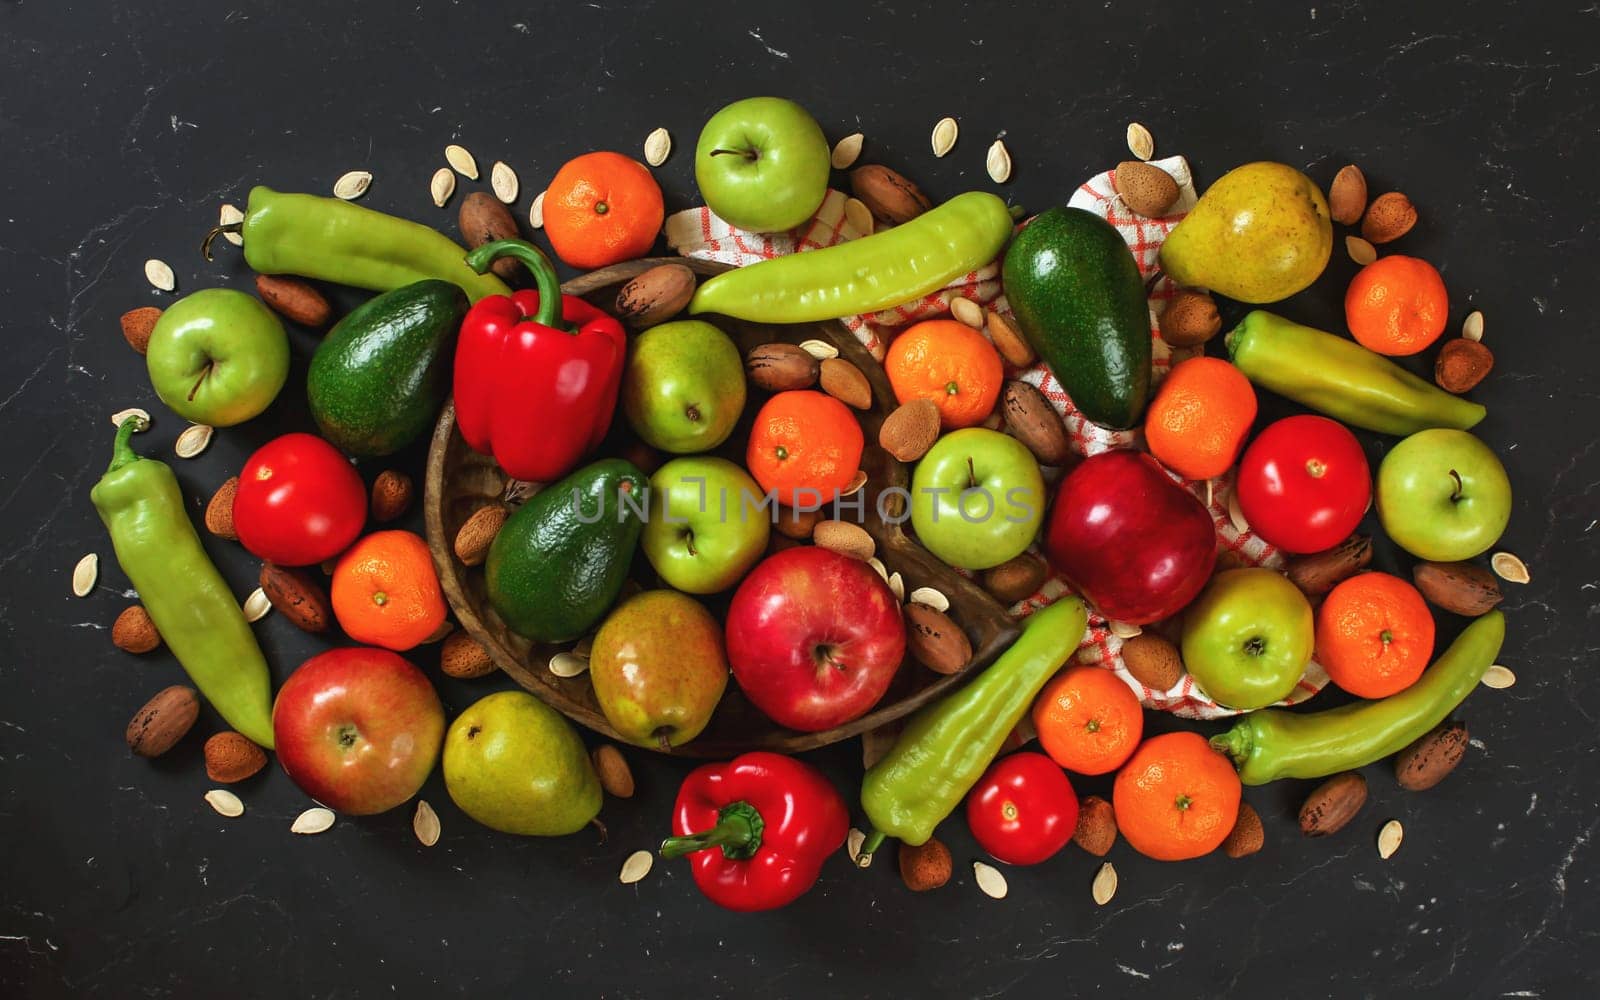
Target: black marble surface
[{"x": 124, "y": 125}]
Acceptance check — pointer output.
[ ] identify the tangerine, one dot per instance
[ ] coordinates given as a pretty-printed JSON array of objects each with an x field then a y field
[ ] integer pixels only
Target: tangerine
[
  {"x": 807, "y": 442},
  {"x": 1396, "y": 305},
  {"x": 1197, "y": 424},
  {"x": 602, "y": 208},
  {"x": 1088, "y": 720},
  {"x": 1374, "y": 635},
  {"x": 1176, "y": 798},
  {"x": 950, "y": 364},
  {"x": 386, "y": 593}
]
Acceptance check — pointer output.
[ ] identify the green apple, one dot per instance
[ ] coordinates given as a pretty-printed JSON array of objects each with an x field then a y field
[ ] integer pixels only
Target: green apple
[
  {"x": 683, "y": 389},
  {"x": 977, "y": 498},
  {"x": 659, "y": 668},
  {"x": 514, "y": 764},
  {"x": 762, "y": 164},
  {"x": 1443, "y": 495},
  {"x": 218, "y": 357},
  {"x": 1248, "y": 637},
  {"x": 707, "y": 526}
]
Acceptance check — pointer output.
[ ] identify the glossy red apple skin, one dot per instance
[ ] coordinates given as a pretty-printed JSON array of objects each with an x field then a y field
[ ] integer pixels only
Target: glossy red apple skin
[
  {"x": 1128, "y": 538},
  {"x": 814, "y": 638},
  {"x": 358, "y": 729}
]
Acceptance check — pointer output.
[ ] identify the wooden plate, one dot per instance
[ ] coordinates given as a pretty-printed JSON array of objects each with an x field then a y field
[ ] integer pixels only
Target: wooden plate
[{"x": 460, "y": 481}]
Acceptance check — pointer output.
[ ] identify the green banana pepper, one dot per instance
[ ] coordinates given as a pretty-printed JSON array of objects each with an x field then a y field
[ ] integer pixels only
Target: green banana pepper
[
  {"x": 197, "y": 615},
  {"x": 1342, "y": 379},
  {"x": 948, "y": 744},
  {"x": 1273, "y": 743},
  {"x": 875, "y": 272},
  {"x": 342, "y": 242}
]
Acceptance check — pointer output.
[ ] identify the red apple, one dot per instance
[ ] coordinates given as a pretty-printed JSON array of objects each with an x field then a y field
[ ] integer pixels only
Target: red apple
[
  {"x": 814, "y": 638},
  {"x": 358, "y": 729},
  {"x": 1131, "y": 540}
]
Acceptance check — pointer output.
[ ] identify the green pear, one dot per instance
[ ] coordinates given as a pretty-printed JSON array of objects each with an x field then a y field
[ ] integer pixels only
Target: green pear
[
  {"x": 683, "y": 389},
  {"x": 659, "y": 668},
  {"x": 1259, "y": 234},
  {"x": 516, "y": 765}
]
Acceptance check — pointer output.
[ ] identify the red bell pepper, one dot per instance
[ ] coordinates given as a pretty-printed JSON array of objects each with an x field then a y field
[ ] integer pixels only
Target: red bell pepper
[
  {"x": 757, "y": 829},
  {"x": 537, "y": 372}
]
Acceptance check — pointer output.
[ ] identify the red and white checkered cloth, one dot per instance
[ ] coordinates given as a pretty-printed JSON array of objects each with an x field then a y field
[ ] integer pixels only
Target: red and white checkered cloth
[{"x": 699, "y": 233}]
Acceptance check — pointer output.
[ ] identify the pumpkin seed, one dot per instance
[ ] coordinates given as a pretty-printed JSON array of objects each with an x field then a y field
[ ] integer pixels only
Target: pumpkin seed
[
  {"x": 1140, "y": 142},
  {"x": 462, "y": 161},
  {"x": 442, "y": 186},
  {"x": 133, "y": 411},
  {"x": 944, "y": 136},
  {"x": 193, "y": 440},
  {"x": 160, "y": 275},
  {"x": 1389, "y": 839},
  {"x": 425, "y": 823},
  {"x": 846, "y": 151},
  {"x": 989, "y": 880},
  {"x": 897, "y": 584},
  {"x": 819, "y": 349},
  {"x": 1360, "y": 250},
  {"x": 256, "y": 606},
  {"x": 536, "y": 212},
  {"x": 856, "y": 484},
  {"x": 1211, "y": 492},
  {"x": 568, "y": 665},
  {"x": 313, "y": 820},
  {"x": 1498, "y": 677},
  {"x": 636, "y": 867},
  {"x": 858, "y": 216},
  {"x": 966, "y": 311},
  {"x": 1509, "y": 568},
  {"x": 1235, "y": 514},
  {"x": 1105, "y": 884},
  {"x": 1122, "y": 630},
  {"x": 352, "y": 185},
  {"x": 85, "y": 575},
  {"x": 229, "y": 215},
  {"x": 504, "y": 181},
  {"x": 225, "y": 802},
  {"x": 853, "y": 842},
  {"x": 657, "y": 147},
  {"x": 998, "y": 162},
  {"x": 931, "y": 598},
  {"x": 1472, "y": 328},
  {"x": 878, "y": 565}
]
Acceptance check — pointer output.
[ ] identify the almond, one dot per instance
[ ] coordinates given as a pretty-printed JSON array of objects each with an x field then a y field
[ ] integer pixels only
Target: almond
[
  {"x": 1333, "y": 804},
  {"x": 1097, "y": 826},
  {"x": 163, "y": 721},
  {"x": 1462, "y": 364},
  {"x": 926, "y": 865},
  {"x": 845, "y": 538},
  {"x": 891, "y": 198},
  {"x": 1016, "y": 578},
  {"x": 1320, "y": 572},
  {"x": 1389, "y": 217},
  {"x": 134, "y": 632},
  {"x": 483, "y": 218},
  {"x": 615, "y": 775},
  {"x": 844, "y": 382},
  {"x": 1459, "y": 588},
  {"x": 781, "y": 367},
  {"x": 1430, "y": 759},
  {"x": 1153, "y": 661},
  {"x": 656, "y": 295},
  {"x": 137, "y": 325},
  {"x": 294, "y": 300},
  {"x": 298, "y": 596},
  {"x": 1007, "y": 339},
  {"x": 473, "y": 540},
  {"x": 1247, "y": 836},
  {"x": 231, "y": 757},
  {"x": 391, "y": 495},
  {"x": 1190, "y": 319},
  {"x": 219, "y": 512},
  {"x": 1032, "y": 420},
  {"x": 796, "y": 522},
  {"x": 1347, "y": 195},
  {"x": 910, "y": 430},
  {"x": 464, "y": 657},
  {"x": 1146, "y": 188},
  {"x": 935, "y": 640}
]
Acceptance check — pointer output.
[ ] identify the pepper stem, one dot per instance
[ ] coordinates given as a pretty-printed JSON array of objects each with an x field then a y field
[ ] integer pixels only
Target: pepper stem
[
  {"x": 1235, "y": 743},
  {"x": 537, "y": 263},
  {"x": 214, "y": 232},
  {"x": 869, "y": 847},
  {"x": 122, "y": 452},
  {"x": 738, "y": 833}
]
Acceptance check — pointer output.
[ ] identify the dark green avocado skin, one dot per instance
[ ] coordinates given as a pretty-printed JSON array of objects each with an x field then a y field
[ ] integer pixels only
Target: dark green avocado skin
[
  {"x": 378, "y": 379},
  {"x": 560, "y": 561},
  {"x": 1078, "y": 297}
]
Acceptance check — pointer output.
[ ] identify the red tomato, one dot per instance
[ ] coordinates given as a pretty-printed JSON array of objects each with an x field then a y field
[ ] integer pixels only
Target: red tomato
[
  {"x": 1023, "y": 810},
  {"x": 1304, "y": 484},
  {"x": 299, "y": 501}
]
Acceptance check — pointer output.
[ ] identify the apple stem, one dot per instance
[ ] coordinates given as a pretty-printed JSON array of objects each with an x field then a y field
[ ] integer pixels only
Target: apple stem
[
  {"x": 972, "y": 474},
  {"x": 748, "y": 154},
  {"x": 1455, "y": 494},
  {"x": 207, "y": 371},
  {"x": 688, "y": 539}
]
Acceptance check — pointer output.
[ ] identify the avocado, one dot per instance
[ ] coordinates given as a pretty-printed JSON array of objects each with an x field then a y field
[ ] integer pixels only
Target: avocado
[
  {"x": 378, "y": 379},
  {"x": 559, "y": 562},
  {"x": 1078, "y": 297}
]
